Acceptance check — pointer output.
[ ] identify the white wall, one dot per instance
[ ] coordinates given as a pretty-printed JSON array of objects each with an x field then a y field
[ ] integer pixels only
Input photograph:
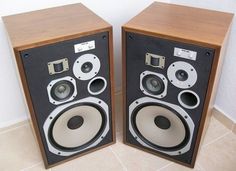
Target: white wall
[
  {"x": 226, "y": 95},
  {"x": 12, "y": 107}
]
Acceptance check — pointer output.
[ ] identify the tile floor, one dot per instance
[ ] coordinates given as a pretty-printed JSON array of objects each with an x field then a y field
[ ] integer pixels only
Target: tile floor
[{"x": 19, "y": 151}]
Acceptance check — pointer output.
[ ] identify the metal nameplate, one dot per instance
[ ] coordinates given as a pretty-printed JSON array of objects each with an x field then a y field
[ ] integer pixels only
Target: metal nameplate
[
  {"x": 85, "y": 46},
  {"x": 184, "y": 53}
]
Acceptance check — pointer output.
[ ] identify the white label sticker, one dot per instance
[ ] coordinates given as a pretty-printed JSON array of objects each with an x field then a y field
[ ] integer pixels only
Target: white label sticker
[{"x": 81, "y": 47}]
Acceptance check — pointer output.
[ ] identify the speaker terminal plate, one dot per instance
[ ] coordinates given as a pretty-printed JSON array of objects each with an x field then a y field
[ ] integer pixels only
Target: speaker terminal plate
[{"x": 155, "y": 60}]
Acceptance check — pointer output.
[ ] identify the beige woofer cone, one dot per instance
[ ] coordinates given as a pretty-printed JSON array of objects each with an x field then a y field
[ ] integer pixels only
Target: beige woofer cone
[
  {"x": 77, "y": 126},
  {"x": 160, "y": 126}
]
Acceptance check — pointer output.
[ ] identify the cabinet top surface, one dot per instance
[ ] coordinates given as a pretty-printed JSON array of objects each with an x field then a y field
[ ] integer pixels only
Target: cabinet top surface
[
  {"x": 53, "y": 23},
  {"x": 181, "y": 22}
]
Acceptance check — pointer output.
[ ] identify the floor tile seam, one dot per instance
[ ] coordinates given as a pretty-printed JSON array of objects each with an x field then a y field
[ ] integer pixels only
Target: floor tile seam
[
  {"x": 12, "y": 129},
  {"x": 167, "y": 165},
  {"x": 29, "y": 167},
  {"x": 216, "y": 139},
  {"x": 201, "y": 167},
  {"x": 223, "y": 122},
  {"x": 232, "y": 131},
  {"x": 118, "y": 158}
]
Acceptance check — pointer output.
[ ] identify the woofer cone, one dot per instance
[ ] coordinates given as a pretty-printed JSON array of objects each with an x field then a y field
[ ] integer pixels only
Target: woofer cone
[
  {"x": 171, "y": 133},
  {"x": 153, "y": 84},
  {"x": 77, "y": 127},
  {"x": 62, "y": 90}
]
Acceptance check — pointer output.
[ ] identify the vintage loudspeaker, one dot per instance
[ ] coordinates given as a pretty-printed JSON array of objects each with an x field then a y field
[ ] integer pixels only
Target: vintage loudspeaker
[
  {"x": 65, "y": 62},
  {"x": 172, "y": 57}
]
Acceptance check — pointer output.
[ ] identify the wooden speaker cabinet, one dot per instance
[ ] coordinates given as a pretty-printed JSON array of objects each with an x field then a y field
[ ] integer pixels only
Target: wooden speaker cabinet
[
  {"x": 65, "y": 60},
  {"x": 172, "y": 57}
]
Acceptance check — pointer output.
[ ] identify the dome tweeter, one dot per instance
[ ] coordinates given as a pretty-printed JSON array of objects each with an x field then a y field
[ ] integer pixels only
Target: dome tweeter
[
  {"x": 86, "y": 66},
  {"x": 182, "y": 74}
]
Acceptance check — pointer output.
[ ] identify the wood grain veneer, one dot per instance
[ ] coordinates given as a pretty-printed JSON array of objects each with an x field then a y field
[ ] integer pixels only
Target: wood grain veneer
[
  {"x": 196, "y": 26},
  {"x": 43, "y": 27},
  {"x": 188, "y": 24},
  {"x": 52, "y": 25}
]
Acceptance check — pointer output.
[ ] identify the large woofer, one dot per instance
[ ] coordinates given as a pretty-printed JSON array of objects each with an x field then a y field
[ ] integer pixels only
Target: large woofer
[
  {"x": 76, "y": 126},
  {"x": 160, "y": 126}
]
